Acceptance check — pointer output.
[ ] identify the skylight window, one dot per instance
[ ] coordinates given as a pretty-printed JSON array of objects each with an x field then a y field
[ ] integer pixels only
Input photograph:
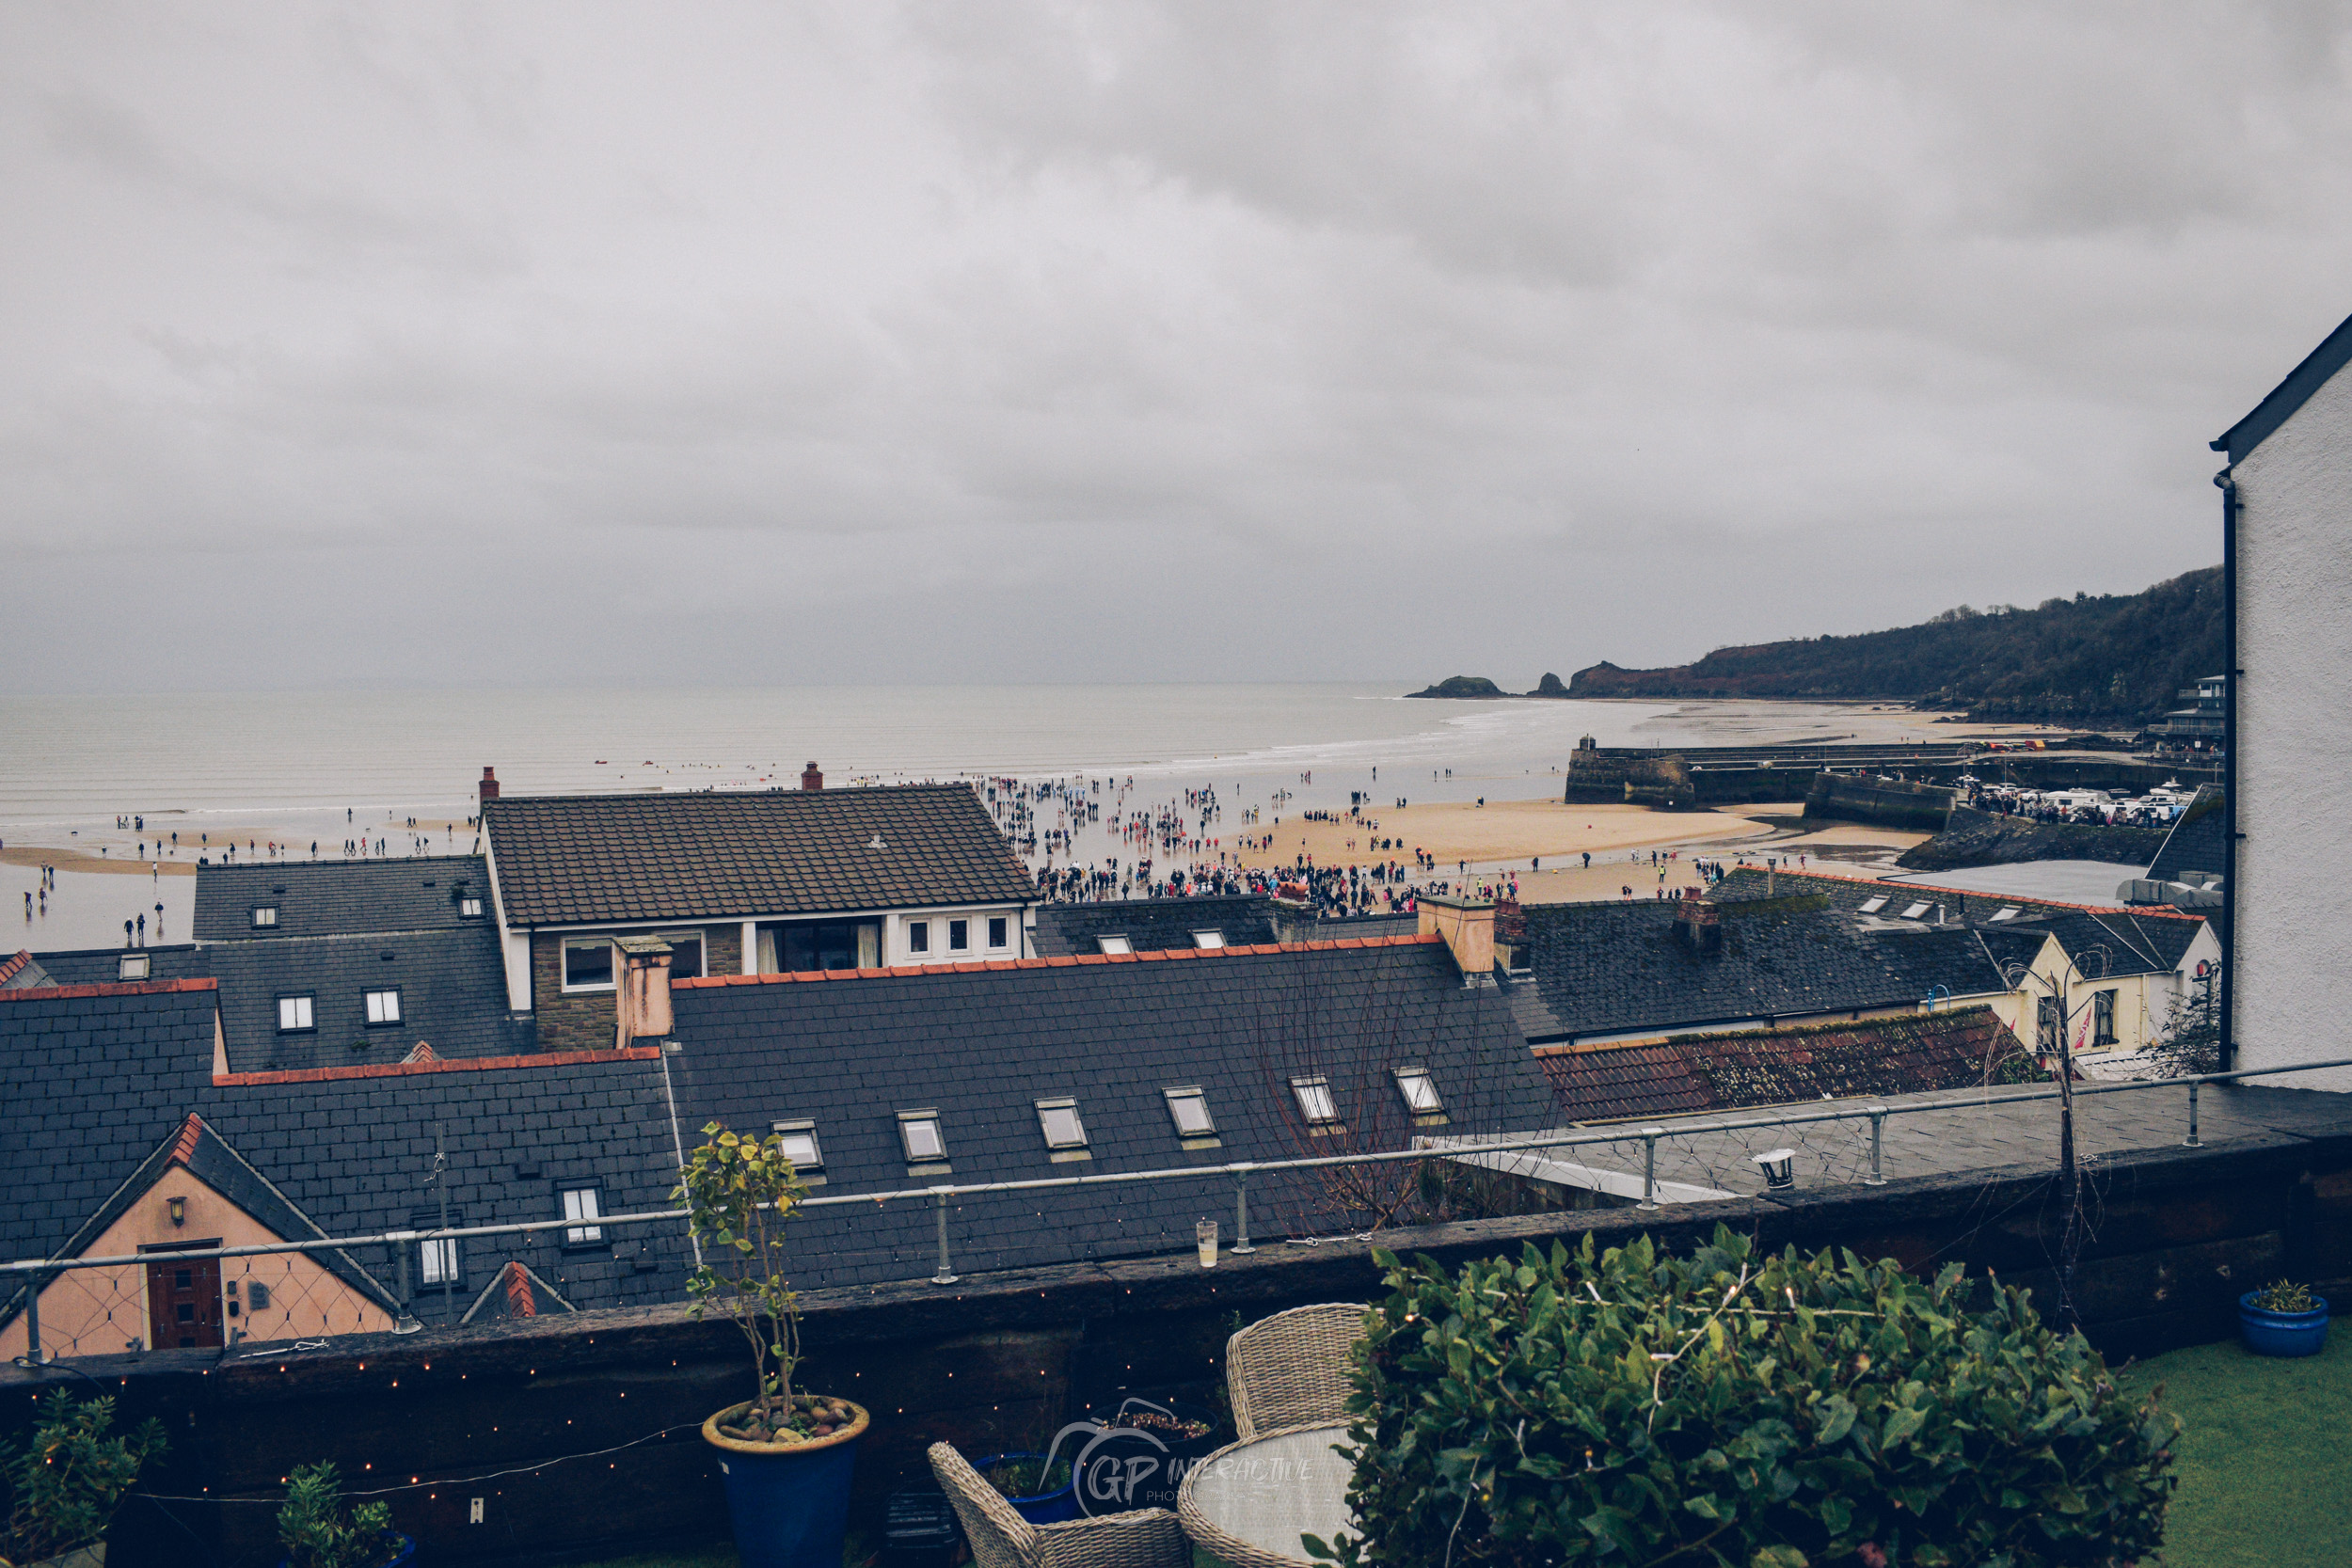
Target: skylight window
[
  {"x": 919, "y": 1131},
  {"x": 1872, "y": 906},
  {"x": 1420, "y": 1091},
  {"x": 264, "y": 916},
  {"x": 2007, "y": 912},
  {"x": 1314, "y": 1101},
  {"x": 132, "y": 966},
  {"x": 1058, "y": 1119},
  {"x": 295, "y": 1014},
  {"x": 469, "y": 907},
  {"x": 801, "y": 1149},
  {"x": 1915, "y": 911},
  {"x": 1208, "y": 939},
  {"x": 1114, "y": 944},
  {"x": 1190, "y": 1109},
  {"x": 384, "y": 1007}
]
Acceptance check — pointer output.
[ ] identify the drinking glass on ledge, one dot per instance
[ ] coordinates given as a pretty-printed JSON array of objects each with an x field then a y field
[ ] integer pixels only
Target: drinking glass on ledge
[{"x": 1204, "y": 1235}]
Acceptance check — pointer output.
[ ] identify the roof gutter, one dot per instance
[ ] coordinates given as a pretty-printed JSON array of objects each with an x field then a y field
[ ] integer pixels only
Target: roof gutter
[{"x": 2231, "y": 508}]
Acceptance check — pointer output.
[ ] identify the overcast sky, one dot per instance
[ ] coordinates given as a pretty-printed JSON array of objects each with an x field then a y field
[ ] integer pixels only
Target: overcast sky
[{"x": 704, "y": 344}]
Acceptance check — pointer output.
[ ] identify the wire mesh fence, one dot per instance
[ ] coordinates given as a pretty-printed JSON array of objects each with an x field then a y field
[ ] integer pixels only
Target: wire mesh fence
[{"x": 276, "y": 1293}]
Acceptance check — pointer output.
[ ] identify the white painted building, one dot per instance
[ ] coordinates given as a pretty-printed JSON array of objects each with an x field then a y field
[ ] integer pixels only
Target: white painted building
[{"x": 2288, "y": 551}]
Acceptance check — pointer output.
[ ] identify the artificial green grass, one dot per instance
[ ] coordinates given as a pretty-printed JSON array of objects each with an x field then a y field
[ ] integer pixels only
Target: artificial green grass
[{"x": 2265, "y": 1456}]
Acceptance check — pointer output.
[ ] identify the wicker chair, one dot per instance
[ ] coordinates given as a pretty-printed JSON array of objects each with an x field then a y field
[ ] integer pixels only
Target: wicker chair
[
  {"x": 1000, "y": 1538},
  {"x": 1291, "y": 1369}
]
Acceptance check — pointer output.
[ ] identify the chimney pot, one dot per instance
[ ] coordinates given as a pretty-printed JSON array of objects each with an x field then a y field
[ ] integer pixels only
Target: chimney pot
[
  {"x": 489, "y": 784},
  {"x": 811, "y": 778}
]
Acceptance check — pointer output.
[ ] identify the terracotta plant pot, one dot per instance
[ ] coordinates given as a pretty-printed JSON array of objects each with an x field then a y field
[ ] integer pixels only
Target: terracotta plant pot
[{"x": 789, "y": 1503}]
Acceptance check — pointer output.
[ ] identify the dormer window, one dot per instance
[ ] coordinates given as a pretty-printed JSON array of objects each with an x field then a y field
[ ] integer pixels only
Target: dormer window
[
  {"x": 1114, "y": 944},
  {"x": 1065, "y": 1134},
  {"x": 265, "y": 916},
  {"x": 1872, "y": 906},
  {"x": 926, "y": 1146},
  {"x": 132, "y": 966},
  {"x": 1315, "y": 1105},
  {"x": 1420, "y": 1091},
  {"x": 1208, "y": 939}
]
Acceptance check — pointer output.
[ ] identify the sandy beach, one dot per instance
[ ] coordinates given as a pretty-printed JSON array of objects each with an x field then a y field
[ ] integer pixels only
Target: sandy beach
[
  {"x": 87, "y": 860},
  {"x": 1504, "y": 833}
]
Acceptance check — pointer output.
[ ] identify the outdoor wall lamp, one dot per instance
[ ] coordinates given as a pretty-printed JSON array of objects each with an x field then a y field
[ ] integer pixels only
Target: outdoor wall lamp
[
  {"x": 1779, "y": 1166},
  {"x": 178, "y": 1208}
]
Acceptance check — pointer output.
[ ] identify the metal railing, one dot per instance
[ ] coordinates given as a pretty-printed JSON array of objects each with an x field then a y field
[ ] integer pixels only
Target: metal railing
[{"x": 45, "y": 1271}]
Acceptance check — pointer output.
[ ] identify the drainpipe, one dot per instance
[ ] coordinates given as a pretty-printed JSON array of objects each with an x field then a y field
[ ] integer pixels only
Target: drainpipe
[{"x": 2231, "y": 508}]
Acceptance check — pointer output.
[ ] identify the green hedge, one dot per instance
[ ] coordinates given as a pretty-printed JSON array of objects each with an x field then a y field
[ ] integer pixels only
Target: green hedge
[{"x": 1742, "y": 1410}]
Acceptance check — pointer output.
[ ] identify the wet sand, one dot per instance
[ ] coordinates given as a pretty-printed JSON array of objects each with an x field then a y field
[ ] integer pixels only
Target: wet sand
[{"x": 90, "y": 860}]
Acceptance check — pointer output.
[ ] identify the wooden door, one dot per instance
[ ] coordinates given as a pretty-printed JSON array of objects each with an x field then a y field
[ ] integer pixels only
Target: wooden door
[{"x": 183, "y": 1298}]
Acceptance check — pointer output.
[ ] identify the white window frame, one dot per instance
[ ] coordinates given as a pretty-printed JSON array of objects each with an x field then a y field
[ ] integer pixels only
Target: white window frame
[
  {"x": 680, "y": 938},
  {"x": 438, "y": 1262},
  {"x": 908, "y": 1121},
  {"x": 1189, "y": 1093},
  {"x": 563, "y": 964},
  {"x": 469, "y": 906},
  {"x": 920, "y": 938},
  {"x": 1407, "y": 1078},
  {"x": 583, "y": 1201},
  {"x": 1075, "y": 1136},
  {"x": 1872, "y": 904},
  {"x": 999, "y": 932},
  {"x": 376, "y": 1014},
  {"x": 1208, "y": 937},
  {"x": 265, "y": 917},
  {"x": 133, "y": 966},
  {"x": 1114, "y": 945},
  {"x": 1917, "y": 910},
  {"x": 2007, "y": 912},
  {"x": 1316, "y": 1104},
  {"x": 958, "y": 936},
  {"x": 305, "y": 1013}
]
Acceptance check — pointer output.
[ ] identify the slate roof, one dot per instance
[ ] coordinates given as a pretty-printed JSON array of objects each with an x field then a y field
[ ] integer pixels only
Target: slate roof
[
  {"x": 2139, "y": 942},
  {"x": 453, "y": 997},
  {"x": 101, "y": 1076},
  {"x": 337, "y": 897},
  {"x": 589, "y": 859},
  {"x": 2280, "y": 405},
  {"x": 2200, "y": 841},
  {"x": 93, "y": 966},
  {"x": 18, "y": 972},
  {"x": 1152, "y": 924},
  {"x": 1601, "y": 969},
  {"x": 981, "y": 1043},
  {"x": 1694, "y": 1074}
]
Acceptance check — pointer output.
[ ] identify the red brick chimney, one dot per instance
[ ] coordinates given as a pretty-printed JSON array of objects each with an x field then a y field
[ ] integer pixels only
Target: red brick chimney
[
  {"x": 811, "y": 779},
  {"x": 1699, "y": 925},
  {"x": 489, "y": 784}
]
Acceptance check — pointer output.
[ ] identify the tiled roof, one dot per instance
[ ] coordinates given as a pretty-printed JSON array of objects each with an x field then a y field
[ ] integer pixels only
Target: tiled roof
[
  {"x": 2135, "y": 941},
  {"x": 1690, "y": 1073},
  {"x": 1152, "y": 924},
  {"x": 337, "y": 897},
  {"x": 102, "y": 1076},
  {"x": 452, "y": 985},
  {"x": 1602, "y": 969},
  {"x": 982, "y": 1043},
  {"x": 589, "y": 859}
]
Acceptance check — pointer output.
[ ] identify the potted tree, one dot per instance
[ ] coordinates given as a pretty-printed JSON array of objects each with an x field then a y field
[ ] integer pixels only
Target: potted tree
[
  {"x": 318, "y": 1532},
  {"x": 64, "y": 1483},
  {"x": 2284, "y": 1319},
  {"x": 787, "y": 1457}
]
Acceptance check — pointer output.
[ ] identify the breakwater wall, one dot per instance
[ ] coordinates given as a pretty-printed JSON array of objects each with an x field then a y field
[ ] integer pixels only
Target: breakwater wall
[
  {"x": 1001, "y": 1358},
  {"x": 1886, "y": 802},
  {"x": 1972, "y": 837}
]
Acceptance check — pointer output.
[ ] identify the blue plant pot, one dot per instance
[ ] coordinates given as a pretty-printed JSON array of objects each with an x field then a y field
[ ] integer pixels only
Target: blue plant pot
[
  {"x": 2282, "y": 1332},
  {"x": 404, "y": 1549},
  {"x": 1046, "y": 1507},
  {"x": 789, "y": 1507}
]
